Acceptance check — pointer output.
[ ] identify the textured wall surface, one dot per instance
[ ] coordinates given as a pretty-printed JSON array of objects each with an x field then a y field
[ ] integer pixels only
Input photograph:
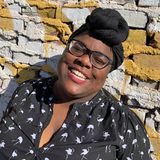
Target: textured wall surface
[{"x": 33, "y": 34}]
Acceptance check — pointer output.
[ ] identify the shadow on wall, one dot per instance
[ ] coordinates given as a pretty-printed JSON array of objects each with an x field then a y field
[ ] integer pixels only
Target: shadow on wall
[{"x": 38, "y": 70}]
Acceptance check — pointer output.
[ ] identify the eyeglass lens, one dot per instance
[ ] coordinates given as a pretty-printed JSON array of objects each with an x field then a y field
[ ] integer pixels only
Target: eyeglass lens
[{"x": 97, "y": 59}]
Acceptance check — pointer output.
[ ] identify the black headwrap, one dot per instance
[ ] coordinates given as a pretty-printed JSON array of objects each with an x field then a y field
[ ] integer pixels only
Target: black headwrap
[{"x": 108, "y": 26}]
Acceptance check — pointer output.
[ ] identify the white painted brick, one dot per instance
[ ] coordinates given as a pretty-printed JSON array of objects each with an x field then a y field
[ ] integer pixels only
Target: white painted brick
[
  {"x": 6, "y": 52},
  {"x": 134, "y": 18},
  {"x": 78, "y": 23},
  {"x": 150, "y": 122},
  {"x": 157, "y": 116},
  {"x": 21, "y": 48},
  {"x": 141, "y": 113},
  {"x": 9, "y": 1},
  {"x": 147, "y": 97},
  {"x": 8, "y": 72},
  {"x": 22, "y": 41},
  {"x": 53, "y": 62},
  {"x": 102, "y": 1},
  {"x": 18, "y": 25},
  {"x": 3, "y": 75},
  {"x": 22, "y": 3},
  {"x": 149, "y": 3},
  {"x": 29, "y": 47},
  {"x": 75, "y": 14},
  {"x": 30, "y": 11},
  {"x": 8, "y": 34},
  {"x": 15, "y": 10},
  {"x": 53, "y": 49},
  {"x": 149, "y": 84},
  {"x": 122, "y": 1},
  {"x": 3, "y": 44},
  {"x": 44, "y": 74},
  {"x": 21, "y": 57},
  {"x": 153, "y": 25},
  {"x": 35, "y": 60},
  {"x": 35, "y": 31},
  {"x": 5, "y": 83},
  {"x": 11, "y": 85},
  {"x": 15, "y": 7},
  {"x": 35, "y": 46}
]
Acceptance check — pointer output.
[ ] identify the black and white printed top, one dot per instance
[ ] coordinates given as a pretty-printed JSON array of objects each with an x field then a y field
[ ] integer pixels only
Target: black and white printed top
[{"x": 100, "y": 129}]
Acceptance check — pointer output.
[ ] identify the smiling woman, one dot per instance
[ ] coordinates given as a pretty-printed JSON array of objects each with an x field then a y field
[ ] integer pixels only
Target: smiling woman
[
  {"x": 71, "y": 116},
  {"x": 78, "y": 76}
]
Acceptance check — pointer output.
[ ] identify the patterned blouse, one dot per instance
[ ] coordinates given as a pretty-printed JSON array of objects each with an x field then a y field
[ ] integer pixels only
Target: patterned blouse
[{"x": 99, "y": 129}]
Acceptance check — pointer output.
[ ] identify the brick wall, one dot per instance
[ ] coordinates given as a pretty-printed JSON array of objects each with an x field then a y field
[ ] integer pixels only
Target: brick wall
[{"x": 33, "y": 35}]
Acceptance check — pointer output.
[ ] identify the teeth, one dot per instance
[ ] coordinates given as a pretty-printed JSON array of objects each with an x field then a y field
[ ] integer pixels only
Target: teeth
[{"x": 79, "y": 74}]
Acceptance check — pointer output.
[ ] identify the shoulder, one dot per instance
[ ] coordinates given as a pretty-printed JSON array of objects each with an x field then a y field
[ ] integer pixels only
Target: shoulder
[
  {"x": 118, "y": 109},
  {"x": 31, "y": 90},
  {"x": 131, "y": 133},
  {"x": 123, "y": 114}
]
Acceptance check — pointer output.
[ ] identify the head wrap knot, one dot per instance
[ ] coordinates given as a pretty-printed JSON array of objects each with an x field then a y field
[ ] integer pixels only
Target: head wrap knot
[{"x": 108, "y": 26}]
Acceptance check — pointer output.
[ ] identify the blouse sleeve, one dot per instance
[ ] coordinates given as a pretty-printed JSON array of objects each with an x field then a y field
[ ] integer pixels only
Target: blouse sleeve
[
  {"x": 18, "y": 97},
  {"x": 136, "y": 145}
]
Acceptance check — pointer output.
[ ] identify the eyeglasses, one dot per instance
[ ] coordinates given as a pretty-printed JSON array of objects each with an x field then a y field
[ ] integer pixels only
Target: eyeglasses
[{"x": 97, "y": 59}]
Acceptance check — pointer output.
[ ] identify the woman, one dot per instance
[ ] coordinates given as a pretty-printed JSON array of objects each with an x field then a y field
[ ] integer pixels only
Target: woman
[{"x": 71, "y": 116}]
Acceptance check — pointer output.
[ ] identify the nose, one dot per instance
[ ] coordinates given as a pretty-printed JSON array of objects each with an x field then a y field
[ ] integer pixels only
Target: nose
[{"x": 84, "y": 61}]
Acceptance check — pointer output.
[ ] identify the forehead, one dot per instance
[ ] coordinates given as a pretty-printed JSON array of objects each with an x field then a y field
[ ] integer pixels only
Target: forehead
[{"x": 95, "y": 44}]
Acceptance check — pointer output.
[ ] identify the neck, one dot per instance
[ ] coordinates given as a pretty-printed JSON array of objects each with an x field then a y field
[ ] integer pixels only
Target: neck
[{"x": 61, "y": 97}]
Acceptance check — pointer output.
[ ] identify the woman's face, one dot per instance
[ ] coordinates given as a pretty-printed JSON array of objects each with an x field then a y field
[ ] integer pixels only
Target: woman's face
[{"x": 77, "y": 77}]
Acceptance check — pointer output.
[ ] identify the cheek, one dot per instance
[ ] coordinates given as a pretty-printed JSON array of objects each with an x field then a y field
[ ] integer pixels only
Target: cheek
[
  {"x": 101, "y": 75},
  {"x": 63, "y": 64},
  {"x": 67, "y": 57},
  {"x": 99, "y": 79}
]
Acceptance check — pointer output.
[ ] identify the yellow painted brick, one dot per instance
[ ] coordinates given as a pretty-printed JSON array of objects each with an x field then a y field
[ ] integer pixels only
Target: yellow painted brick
[
  {"x": 47, "y": 68},
  {"x": 12, "y": 68},
  {"x": 2, "y": 60},
  {"x": 155, "y": 140},
  {"x": 91, "y": 3},
  {"x": 51, "y": 38},
  {"x": 142, "y": 72},
  {"x": 6, "y": 22},
  {"x": 51, "y": 34},
  {"x": 152, "y": 133},
  {"x": 137, "y": 36},
  {"x": 62, "y": 28},
  {"x": 58, "y": 12},
  {"x": 157, "y": 40},
  {"x": 25, "y": 74},
  {"x": 46, "y": 46},
  {"x": 58, "y": 24},
  {"x": 42, "y": 4},
  {"x": 20, "y": 66},
  {"x": 147, "y": 61},
  {"x": 47, "y": 12},
  {"x": 134, "y": 48},
  {"x": 4, "y": 12},
  {"x": 156, "y": 145},
  {"x": 2, "y": 5}
]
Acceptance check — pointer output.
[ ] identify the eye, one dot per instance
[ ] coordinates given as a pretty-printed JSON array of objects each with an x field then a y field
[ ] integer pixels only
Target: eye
[
  {"x": 99, "y": 59},
  {"x": 76, "y": 47}
]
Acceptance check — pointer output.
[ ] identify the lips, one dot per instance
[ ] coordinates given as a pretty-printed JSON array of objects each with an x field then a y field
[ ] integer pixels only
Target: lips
[{"x": 76, "y": 76}]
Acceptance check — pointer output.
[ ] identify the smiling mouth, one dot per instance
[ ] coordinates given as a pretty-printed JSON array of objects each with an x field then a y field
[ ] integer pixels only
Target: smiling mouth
[{"x": 76, "y": 76}]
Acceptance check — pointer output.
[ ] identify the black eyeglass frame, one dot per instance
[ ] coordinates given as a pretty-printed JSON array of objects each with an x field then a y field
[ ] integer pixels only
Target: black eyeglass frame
[{"x": 89, "y": 52}]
